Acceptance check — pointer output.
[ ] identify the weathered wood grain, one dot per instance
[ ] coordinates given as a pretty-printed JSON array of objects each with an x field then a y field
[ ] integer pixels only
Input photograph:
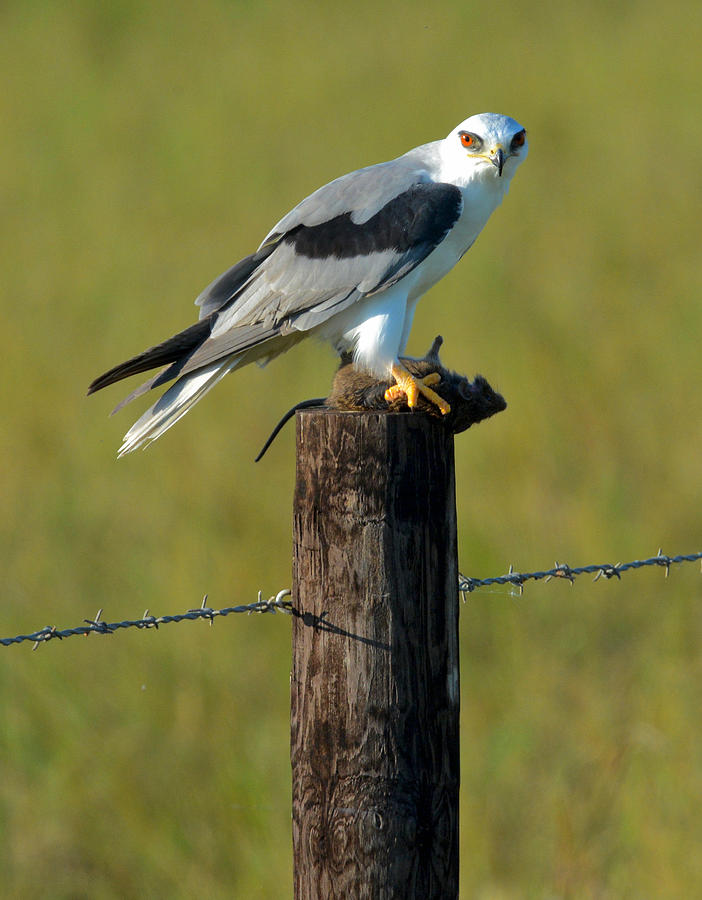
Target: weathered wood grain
[{"x": 375, "y": 681}]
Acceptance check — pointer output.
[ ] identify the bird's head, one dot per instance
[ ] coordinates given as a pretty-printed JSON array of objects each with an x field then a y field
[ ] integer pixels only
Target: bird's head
[{"x": 485, "y": 146}]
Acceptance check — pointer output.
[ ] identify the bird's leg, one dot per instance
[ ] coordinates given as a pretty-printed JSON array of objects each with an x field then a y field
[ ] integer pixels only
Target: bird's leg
[{"x": 412, "y": 387}]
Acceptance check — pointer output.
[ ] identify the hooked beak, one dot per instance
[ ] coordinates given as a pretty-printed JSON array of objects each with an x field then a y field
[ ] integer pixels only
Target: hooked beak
[{"x": 497, "y": 158}]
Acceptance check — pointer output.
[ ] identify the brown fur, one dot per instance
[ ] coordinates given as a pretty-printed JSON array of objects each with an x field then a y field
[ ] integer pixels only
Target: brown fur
[
  {"x": 471, "y": 401},
  {"x": 355, "y": 391}
]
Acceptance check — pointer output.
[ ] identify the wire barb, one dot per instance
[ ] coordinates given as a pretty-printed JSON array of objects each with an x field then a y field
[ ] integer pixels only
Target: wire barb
[
  {"x": 604, "y": 570},
  {"x": 282, "y": 601}
]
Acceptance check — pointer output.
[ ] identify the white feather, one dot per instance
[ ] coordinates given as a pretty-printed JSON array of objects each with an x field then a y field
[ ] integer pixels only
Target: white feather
[{"x": 174, "y": 404}]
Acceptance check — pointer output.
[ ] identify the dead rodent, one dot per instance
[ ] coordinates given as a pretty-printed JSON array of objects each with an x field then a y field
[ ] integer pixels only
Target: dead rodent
[{"x": 355, "y": 391}]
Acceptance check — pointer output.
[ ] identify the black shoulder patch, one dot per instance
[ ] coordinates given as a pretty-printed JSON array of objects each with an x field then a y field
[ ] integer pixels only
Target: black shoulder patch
[{"x": 421, "y": 216}]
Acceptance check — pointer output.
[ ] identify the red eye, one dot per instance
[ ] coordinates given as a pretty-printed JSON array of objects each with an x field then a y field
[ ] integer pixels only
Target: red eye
[
  {"x": 467, "y": 139},
  {"x": 518, "y": 139}
]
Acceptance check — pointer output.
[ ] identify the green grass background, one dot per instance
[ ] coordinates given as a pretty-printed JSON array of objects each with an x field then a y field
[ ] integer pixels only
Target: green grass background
[{"x": 147, "y": 146}]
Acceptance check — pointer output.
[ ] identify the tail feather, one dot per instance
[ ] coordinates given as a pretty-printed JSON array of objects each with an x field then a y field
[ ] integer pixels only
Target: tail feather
[
  {"x": 137, "y": 392},
  {"x": 174, "y": 404}
]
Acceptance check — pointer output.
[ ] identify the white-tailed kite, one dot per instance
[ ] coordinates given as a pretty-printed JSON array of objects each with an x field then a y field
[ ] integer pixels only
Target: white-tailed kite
[{"x": 348, "y": 264}]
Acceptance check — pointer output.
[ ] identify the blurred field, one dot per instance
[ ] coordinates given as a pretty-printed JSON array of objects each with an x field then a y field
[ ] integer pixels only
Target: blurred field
[{"x": 146, "y": 147}]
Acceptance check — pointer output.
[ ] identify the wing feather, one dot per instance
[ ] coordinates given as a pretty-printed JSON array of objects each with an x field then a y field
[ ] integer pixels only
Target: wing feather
[
  {"x": 351, "y": 239},
  {"x": 326, "y": 267},
  {"x": 362, "y": 192}
]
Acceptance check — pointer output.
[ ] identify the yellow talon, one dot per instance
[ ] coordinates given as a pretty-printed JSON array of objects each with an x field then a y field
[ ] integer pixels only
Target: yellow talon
[{"x": 412, "y": 387}]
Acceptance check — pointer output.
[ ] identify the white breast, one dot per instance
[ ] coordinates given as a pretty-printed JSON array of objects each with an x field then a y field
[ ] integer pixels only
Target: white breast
[
  {"x": 377, "y": 329},
  {"x": 481, "y": 198}
]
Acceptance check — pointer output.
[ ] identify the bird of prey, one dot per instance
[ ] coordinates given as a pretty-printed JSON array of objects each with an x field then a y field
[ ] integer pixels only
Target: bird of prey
[{"x": 347, "y": 264}]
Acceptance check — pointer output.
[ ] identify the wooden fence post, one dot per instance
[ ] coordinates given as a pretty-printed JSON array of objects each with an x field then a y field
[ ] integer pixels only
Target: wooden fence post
[{"x": 375, "y": 680}]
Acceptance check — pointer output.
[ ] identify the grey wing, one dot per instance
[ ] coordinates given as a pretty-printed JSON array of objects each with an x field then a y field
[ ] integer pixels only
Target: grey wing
[
  {"x": 361, "y": 194},
  {"x": 310, "y": 272}
]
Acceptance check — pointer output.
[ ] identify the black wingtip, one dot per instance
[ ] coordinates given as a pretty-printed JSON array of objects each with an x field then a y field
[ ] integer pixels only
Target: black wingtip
[
  {"x": 123, "y": 370},
  {"x": 173, "y": 350},
  {"x": 98, "y": 384}
]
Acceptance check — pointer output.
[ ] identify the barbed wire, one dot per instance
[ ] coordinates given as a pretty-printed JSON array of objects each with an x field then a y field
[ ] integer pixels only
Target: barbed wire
[
  {"x": 279, "y": 603},
  {"x": 562, "y": 570},
  {"x": 282, "y": 601}
]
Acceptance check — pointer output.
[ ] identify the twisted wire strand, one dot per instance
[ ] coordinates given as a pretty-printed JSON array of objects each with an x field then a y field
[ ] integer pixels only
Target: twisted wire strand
[
  {"x": 467, "y": 585},
  {"x": 282, "y": 601},
  {"x": 279, "y": 603}
]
